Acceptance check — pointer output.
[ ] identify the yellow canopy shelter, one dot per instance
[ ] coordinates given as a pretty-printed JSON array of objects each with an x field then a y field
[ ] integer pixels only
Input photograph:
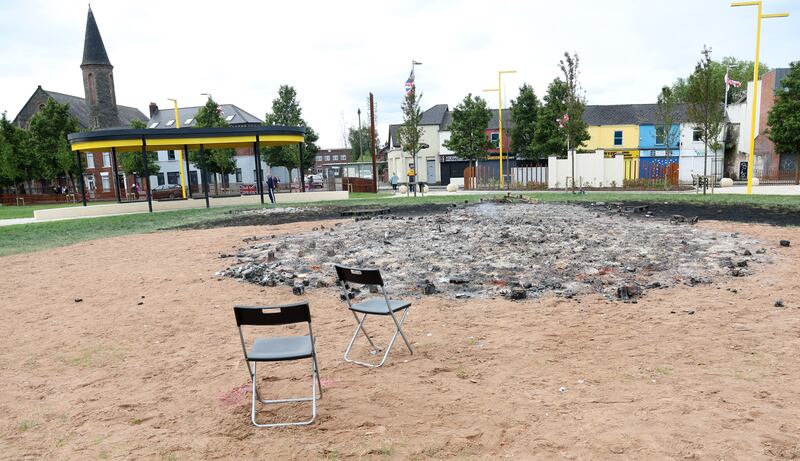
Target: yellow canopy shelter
[{"x": 148, "y": 140}]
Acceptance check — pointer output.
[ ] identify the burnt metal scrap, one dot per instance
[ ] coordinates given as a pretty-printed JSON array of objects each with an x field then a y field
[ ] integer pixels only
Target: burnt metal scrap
[{"x": 509, "y": 249}]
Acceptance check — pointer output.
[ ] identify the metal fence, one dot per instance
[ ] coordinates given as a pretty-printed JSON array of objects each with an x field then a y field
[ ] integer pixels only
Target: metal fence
[{"x": 485, "y": 177}]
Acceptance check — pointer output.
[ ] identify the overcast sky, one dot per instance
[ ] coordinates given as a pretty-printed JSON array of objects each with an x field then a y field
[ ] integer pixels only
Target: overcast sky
[{"x": 335, "y": 53}]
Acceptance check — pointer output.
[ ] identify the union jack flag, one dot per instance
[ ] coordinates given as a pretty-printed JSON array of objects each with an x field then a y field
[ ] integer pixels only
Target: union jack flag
[
  {"x": 410, "y": 83},
  {"x": 562, "y": 122},
  {"x": 731, "y": 83}
]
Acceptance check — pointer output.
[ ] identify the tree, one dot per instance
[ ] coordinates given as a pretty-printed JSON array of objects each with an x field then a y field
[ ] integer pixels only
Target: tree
[
  {"x": 666, "y": 115},
  {"x": 286, "y": 111},
  {"x": 360, "y": 143},
  {"x": 783, "y": 120},
  {"x": 410, "y": 132},
  {"x": 741, "y": 71},
  {"x": 575, "y": 103},
  {"x": 548, "y": 139},
  {"x": 525, "y": 114},
  {"x": 705, "y": 106},
  {"x": 214, "y": 161},
  {"x": 16, "y": 162},
  {"x": 48, "y": 129},
  {"x": 133, "y": 162},
  {"x": 468, "y": 131}
]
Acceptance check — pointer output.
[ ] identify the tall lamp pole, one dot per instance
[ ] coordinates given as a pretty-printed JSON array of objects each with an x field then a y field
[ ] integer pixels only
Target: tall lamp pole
[
  {"x": 180, "y": 152},
  {"x": 360, "y": 149},
  {"x": 759, "y": 17},
  {"x": 499, "y": 90}
]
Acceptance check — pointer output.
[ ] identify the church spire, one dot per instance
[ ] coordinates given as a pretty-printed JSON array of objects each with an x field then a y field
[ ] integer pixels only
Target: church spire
[{"x": 94, "y": 52}]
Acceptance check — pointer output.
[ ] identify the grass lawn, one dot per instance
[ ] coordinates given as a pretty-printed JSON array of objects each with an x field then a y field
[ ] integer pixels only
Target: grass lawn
[
  {"x": 24, "y": 238},
  {"x": 14, "y": 212}
]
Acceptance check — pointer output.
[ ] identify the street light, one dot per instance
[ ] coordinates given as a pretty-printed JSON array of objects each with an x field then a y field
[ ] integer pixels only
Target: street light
[
  {"x": 499, "y": 90},
  {"x": 206, "y": 94},
  {"x": 759, "y": 17},
  {"x": 180, "y": 152}
]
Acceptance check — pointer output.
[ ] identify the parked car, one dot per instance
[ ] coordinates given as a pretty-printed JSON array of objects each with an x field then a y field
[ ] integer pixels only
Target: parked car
[
  {"x": 168, "y": 191},
  {"x": 315, "y": 181}
]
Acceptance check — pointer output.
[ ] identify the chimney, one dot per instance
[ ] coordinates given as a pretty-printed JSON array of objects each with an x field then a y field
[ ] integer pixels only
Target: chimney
[{"x": 153, "y": 109}]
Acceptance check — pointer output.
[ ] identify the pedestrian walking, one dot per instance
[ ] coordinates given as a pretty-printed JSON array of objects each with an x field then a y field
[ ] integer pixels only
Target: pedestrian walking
[
  {"x": 271, "y": 188},
  {"x": 393, "y": 181}
]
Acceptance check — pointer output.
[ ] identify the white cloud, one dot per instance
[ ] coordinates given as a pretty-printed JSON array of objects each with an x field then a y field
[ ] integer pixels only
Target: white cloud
[{"x": 335, "y": 53}]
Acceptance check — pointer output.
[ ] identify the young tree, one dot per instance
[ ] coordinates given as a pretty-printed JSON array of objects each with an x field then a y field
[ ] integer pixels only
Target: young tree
[
  {"x": 133, "y": 162},
  {"x": 410, "y": 132},
  {"x": 705, "y": 106},
  {"x": 360, "y": 144},
  {"x": 666, "y": 115},
  {"x": 468, "y": 131},
  {"x": 214, "y": 161},
  {"x": 741, "y": 71},
  {"x": 525, "y": 114},
  {"x": 286, "y": 111},
  {"x": 548, "y": 139},
  {"x": 48, "y": 132},
  {"x": 17, "y": 165},
  {"x": 783, "y": 120},
  {"x": 575, "y": 103}
]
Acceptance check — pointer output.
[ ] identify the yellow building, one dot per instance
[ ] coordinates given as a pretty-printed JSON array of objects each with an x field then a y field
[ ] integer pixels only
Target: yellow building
[{"x": 615, "y": 129}]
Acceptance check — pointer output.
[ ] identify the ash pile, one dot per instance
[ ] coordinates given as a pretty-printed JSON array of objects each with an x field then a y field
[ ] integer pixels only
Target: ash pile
[{"x": 490, "y": 250}]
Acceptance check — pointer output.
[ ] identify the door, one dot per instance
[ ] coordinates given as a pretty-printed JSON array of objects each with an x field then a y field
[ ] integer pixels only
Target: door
[
  {"x": 431, "y": 176},
  {"x": 90, "y": 185}
]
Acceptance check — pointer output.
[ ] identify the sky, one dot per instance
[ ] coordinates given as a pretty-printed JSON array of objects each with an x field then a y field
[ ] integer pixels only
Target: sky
[{"x": 336, "y": 53}]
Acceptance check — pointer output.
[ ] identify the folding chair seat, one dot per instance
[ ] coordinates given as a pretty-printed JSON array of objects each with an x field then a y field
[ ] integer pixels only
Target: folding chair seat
[
  {"x": 279, "y": 349},
  {"x": 347, "y": 277}
]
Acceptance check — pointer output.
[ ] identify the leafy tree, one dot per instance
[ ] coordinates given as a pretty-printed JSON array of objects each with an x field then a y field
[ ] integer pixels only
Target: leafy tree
[
  {"x": 354, "y": 137},
  {"x": 16, "y": 162},
  {"x": 705, "y": 107},
  {"x": 575, "y": 102},
  {"x": 286, "y": 111},
  {"x": 525, "y": 113},
  {"x": 783, "y": 120},
  {"x": 468, "y": 131},
  {"x": 48, "y": 129},
  {"x": 666, "y": 116},
  {"x": 214, "y": 161},
  {"x": 741, "y": 71},
  {"x": 548, "y": 139},
  {"x": 133, "y": 162},
  {"x": 410, "y": 131}
]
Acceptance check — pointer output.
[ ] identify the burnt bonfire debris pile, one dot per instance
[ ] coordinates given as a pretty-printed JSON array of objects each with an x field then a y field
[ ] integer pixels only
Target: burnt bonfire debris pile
[{"x": 513, "y": 250}]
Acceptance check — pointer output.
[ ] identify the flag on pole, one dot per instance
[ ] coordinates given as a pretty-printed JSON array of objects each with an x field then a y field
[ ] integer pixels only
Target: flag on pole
[
  {"x": 562, "y": 122},
  {"x": 731, "y": 83},
  {"x": 410, "y": 83}
]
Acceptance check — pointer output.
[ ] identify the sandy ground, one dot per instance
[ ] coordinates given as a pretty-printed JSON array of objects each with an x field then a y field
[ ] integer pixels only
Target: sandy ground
[{"x": 111, "y": 378}]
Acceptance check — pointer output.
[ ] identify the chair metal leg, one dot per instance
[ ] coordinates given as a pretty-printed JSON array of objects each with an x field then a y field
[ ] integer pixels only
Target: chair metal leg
[
  {"x": 361, "y": 325},
  {"x": 313, "y": 399},
  {"x": 398, "y": 329}
]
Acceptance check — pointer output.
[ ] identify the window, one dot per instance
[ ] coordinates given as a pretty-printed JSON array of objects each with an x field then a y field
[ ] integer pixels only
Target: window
[
  {"x": 154, "y": 124},
  {"x": 160, "y": 179},
  {"x": 170, "y": 155},
  {"x": 173, "y": 177},
  {"x": 89, "y": 160},
  {"x": 106, "y": 160},
  {"x": 238, "y": 175},
  {"x": 697, "y": 135},
  {"x": 106, "y": 181},
  {"x": 618, "y": 138},
  {"x": 660, "y": 135},
  {"x": 188, "y": 121},
  {"x": 229, "y": 118},
  {"x": 327, "y": 158},
  {"x": 495, "y": 139},
  {"x": 171, "y": 122},
  {"x": 319, "y": 158}
]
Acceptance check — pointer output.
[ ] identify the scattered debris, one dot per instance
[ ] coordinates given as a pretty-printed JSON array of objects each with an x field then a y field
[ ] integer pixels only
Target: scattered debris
[
  {"x": 78, "y": 300},
  {"x": 785, "y": 243},
  {"x": 779, "y": 303}
]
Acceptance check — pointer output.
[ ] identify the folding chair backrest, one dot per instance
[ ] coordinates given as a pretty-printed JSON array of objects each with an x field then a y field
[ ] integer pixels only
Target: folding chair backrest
[
  {"x": 272, "y": 315},
  {"x": 357, "y": 275}
]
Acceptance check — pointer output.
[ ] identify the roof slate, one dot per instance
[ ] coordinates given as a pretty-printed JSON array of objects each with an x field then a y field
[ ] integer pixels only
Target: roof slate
[
  {"x": 240, "y": 117},
  {"x": 94, "y": 51},
  {"x": 80, "y": 110},
  {"x": 630, "y": 114}
]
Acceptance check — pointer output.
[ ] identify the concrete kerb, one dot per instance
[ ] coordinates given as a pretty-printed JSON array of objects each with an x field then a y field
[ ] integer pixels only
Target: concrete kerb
[{"x": 141, "y": 207}]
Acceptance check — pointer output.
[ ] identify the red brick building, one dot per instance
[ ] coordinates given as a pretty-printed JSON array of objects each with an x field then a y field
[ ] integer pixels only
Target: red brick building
[{"x": 770, "y": 88}]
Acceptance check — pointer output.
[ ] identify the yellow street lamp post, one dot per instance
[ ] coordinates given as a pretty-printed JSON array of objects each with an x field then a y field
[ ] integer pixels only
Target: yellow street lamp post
[
  {"x": 180, "y": 152},
  {"x": 499, "y": 90},
  {"x": 759, "y": 17}
]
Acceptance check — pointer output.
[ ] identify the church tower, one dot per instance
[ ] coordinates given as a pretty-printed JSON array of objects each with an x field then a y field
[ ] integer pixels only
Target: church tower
[{"x": 98, "y": 79}]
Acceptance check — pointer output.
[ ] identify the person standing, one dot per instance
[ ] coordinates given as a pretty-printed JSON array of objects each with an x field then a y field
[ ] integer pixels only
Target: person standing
[
  {"x": 412, "y": 178},
  {"x": 393, "y": 181},
  {"x": 271, "y": 188}
]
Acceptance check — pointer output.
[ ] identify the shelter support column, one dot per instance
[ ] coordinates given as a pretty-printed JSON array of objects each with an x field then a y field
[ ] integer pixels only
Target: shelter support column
[
  {"x": 302, "y": 173},
  {"x": 188, "y": 181},
  {"x": 80, "y": 176},
  {"x": 259, "y": 173},
  {"x": 147, "y": 176},
  {"x": 204, "y": 174},
  {"x": 115, "y": 172}
]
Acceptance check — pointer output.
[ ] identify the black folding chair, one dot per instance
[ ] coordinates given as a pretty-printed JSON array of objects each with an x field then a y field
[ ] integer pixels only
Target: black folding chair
[
  {"x": 277, "y": 349},
  {"x": 371, "y": 306}
]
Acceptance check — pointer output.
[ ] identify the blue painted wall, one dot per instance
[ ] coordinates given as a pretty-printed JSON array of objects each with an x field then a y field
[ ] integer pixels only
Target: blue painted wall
[{"x": 647, "y": 140}]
